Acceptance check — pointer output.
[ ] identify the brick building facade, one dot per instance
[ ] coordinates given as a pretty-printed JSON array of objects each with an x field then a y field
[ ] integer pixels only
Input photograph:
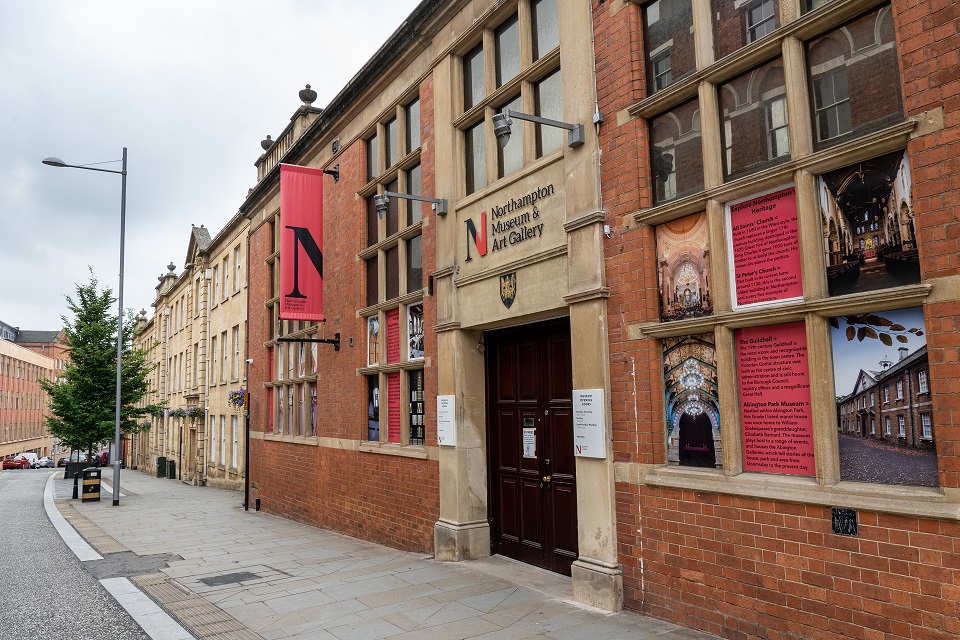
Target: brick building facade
[
  {"x": 809, "y": 100},
  {"x": 23, "y": 404},
  {"x": 634, "y": 372}
]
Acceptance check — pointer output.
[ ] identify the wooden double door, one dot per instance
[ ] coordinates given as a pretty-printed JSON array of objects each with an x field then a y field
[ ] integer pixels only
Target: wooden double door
[{"x": 533, "y": 485}]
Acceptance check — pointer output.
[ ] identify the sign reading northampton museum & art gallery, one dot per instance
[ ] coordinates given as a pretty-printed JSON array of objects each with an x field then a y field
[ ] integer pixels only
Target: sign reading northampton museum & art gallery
[
  {"x": 765, "y": 246},
  {"x": 775, "y": 399},
  {"x": 509, "y": 224}
]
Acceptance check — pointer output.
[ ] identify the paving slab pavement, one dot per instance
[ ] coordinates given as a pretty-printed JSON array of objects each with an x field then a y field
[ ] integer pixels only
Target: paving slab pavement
[{"x": 231, "y": 574}]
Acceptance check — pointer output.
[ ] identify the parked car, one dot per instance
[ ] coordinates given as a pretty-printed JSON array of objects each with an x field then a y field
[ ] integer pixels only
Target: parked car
[
  {"x": 30, "y": 457},
  {"x": 16, "y": 463},
  {"x": 62, "y": 462},
  {"x": 45, "y": 462}
]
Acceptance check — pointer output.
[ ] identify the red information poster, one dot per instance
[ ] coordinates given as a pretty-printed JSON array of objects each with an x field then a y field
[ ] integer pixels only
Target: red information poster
[
  {"x": 765, "y": 248},
  {"x": 393, "y": 407},
  {"x": 393, "y": 335},
  {"x": 775, "y": 399}
]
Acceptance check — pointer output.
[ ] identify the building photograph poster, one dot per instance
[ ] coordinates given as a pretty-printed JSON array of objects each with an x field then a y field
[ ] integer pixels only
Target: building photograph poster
[
  {"x": 683, "y": 268},
  {"x": 867, "y": 211},
  {"x": 692, "y": 401},
  {"x": 884, "y": 410},
  {"x": 775, "y": 399},
  {"x": 764, "y": 244}
]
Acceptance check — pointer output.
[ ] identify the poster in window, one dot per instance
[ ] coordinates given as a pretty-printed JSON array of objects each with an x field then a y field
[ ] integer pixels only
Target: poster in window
[
  {"x": 302, "y": 360},
  {"x": 416, "y": 407},
  {"x": 867, "y": 212},
  {"x": 775, "y": 413},
  {"x": 881, "y": 377},
  {"x": 392, "y": 320},
  {"x": 764, "y": 247},
  {"x": 692, "y": 401},
  {"x": 415, "y": 331},
  {"x": 393, "y": 408},
  {"x": 373, "y": 408},
  {"x": 373, "y": 341},
  {"x": 683, "y": 268}
]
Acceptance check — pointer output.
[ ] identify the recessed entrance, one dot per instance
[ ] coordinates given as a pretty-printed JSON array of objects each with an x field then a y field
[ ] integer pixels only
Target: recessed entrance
[{"x": 533, "y": 492}]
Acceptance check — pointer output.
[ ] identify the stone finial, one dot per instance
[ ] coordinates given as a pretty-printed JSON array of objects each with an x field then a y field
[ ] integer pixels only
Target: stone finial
[
  {"x": 266, "y": 143},
  {"x": 308, "y": 96},
  {"x": 172, "y": 268}
]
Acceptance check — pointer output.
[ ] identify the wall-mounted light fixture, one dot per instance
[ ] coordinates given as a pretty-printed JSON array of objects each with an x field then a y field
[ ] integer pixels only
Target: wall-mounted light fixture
[
  {"x": 335, "y": 172},
  {"x": 502, "y": 123},
  {"x": 381, "y": 202}
]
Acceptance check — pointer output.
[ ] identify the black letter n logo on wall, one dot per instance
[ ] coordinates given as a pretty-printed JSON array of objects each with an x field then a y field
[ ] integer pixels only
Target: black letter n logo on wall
[
  {"x": 479, "y": 239},
  {"x": 302, "y": 238}
]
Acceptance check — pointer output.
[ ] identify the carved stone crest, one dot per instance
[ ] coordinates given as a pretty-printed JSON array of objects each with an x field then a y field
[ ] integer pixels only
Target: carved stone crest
[{"x": 508, "y": 288}]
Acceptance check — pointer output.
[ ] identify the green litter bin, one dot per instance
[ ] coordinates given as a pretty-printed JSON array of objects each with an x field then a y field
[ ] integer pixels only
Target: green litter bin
[{"x": 161, "y": 466}]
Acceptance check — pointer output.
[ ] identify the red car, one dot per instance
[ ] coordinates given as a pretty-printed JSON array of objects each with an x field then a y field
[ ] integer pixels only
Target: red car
[{"x": 16, "y": 463}]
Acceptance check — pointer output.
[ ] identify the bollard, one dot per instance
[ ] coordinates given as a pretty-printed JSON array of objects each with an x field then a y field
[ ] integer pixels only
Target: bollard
[{"x": 76, "y": 485}]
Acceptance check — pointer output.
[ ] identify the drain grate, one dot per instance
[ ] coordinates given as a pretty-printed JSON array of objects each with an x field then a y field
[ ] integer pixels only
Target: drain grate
[{"x": 229, "y": 578}]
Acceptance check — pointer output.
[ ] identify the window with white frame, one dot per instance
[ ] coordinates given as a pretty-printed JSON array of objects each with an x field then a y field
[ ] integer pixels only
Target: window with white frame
[
  {"x": 899, "y": 389},
  {"x": 223, "y": 440},
  {"x": 886, "y": 394},
  {"x": 926, "y": 426},
  {"x": 216, "y": 286},
  {"x": 922, "y": 381},
  {"x": 901, "y": 427},
  {"x": 223, "y": 356},
  {"x": 778, "y": 133},
  {"x": 831, "y": 99},
  {"x": 886, "y": 426},
  {"x": 226, "y": 277},
  {"x": 213, "y": 440},
  {"x": 760, "y": 19},
  {"x": 237, "y": 278},
  {"x": 213, "y": 360},
  {"x": 233, "y": 425},
  {"x": 236, "y": 352}
]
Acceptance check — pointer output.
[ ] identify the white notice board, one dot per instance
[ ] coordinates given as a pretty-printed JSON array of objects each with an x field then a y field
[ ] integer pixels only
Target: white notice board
[
  {"x": 446, "y": 421},
  {"x": 589, "y": 424}
]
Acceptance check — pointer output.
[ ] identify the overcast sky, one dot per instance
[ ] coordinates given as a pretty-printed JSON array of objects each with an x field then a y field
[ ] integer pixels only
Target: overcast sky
[{"x": 190, "y": 88}]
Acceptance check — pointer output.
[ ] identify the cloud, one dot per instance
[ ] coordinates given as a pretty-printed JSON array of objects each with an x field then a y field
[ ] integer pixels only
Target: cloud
[{"x": 190, "y": 88}]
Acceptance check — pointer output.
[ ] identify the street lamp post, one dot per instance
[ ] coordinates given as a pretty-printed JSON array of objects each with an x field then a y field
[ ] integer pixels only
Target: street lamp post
[{"x": 117, "y": 453}]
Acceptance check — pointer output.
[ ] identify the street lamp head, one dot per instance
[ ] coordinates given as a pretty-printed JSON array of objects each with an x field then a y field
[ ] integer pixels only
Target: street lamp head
[
  {"x": 381, "y": 203},
  {"x": 53, "y": 161},
  {"x": 501, "y": 127}
]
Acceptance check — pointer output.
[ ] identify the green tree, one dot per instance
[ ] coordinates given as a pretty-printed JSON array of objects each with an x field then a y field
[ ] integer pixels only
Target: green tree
[{"x": 83, "y": 401}]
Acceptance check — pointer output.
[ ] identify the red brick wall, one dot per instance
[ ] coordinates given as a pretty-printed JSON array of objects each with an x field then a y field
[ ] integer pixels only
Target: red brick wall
[
  {"x": 747, "y": 568},
  {"x": 387, "y": 499}
]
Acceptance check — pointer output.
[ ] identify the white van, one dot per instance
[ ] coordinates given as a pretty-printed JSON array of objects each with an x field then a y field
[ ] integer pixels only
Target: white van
[{"x": 30, "y": 456}]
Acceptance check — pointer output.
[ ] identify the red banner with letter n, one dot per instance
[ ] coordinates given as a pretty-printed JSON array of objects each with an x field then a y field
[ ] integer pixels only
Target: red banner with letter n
[{"x": 301, "y": 243}]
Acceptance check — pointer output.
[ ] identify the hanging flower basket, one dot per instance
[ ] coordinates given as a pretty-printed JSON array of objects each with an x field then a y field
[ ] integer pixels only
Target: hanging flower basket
[{"x": 235, "y": 399}]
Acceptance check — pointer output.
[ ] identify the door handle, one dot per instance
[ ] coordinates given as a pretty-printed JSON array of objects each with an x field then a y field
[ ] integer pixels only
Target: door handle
[{"x": 545, "y": 482}]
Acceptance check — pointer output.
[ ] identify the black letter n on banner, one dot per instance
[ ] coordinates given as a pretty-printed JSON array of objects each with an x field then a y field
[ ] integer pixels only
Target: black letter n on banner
[{"x": 302, "y": 238}]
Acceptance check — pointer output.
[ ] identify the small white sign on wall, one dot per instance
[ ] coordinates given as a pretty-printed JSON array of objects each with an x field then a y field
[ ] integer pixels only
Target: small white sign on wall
[
  {"x": 447, "y": 421},
  {"x": 589, "y": 424}
]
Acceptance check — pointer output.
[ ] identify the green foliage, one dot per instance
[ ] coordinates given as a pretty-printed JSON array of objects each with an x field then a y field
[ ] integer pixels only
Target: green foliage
[{"x": 83, "y": 402}]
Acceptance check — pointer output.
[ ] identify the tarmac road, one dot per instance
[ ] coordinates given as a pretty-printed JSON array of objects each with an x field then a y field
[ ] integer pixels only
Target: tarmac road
[{"x": 46, "y": 592}]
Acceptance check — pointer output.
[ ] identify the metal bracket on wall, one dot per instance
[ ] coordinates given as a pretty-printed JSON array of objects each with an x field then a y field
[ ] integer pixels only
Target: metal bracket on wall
[{"x": 335, "y": 341}]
